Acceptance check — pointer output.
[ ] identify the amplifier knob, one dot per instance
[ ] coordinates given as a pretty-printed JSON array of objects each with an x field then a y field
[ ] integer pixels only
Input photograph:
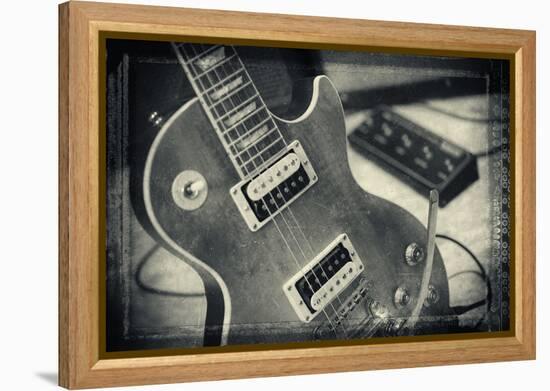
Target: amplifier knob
[
  {"x": 432, "y": 297},
  {"x": 414, "y": 254},
  {"x": 402, "y": 298}
]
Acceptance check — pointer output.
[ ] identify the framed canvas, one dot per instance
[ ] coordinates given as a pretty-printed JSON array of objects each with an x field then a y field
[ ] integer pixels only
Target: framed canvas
[{"x": 248, "y": 195}]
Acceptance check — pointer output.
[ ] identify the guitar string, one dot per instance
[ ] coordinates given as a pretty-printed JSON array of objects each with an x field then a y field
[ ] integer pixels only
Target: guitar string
[
  {"x": 260, "y": 154},
  {"x": 183, "y": 63},
  {"x": 278, "y": 190},
  {"x": 289, "y": 209},
  {"x": 373, "y": 328},
  {"x": 337, "y": 297},
  {"x": 312, "y": 253}
]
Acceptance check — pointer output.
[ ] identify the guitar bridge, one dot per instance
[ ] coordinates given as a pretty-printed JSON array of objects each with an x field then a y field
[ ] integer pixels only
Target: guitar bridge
[
  {"x": 261, "y": 198},
  {"x": 324, "y": 278}
]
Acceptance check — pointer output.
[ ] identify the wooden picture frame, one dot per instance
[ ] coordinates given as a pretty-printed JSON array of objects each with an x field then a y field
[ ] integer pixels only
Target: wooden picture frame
[{"x": 81, "y": 186}]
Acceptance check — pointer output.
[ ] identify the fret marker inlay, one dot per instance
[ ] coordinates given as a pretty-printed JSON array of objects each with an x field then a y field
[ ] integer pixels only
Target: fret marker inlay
[
  {"x": 211, "y": 59},
  {"x": 249, "y": 108},
  {"x": 227, "y": 88},
  {"x": 251, "y": 139},
  {"x": 233, "y": 105}
]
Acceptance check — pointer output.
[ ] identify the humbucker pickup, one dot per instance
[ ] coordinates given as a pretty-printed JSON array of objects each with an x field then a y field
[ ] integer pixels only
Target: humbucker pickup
[
  {"x": 261, "y": 198},
  {"x": 323, "y": 279}
]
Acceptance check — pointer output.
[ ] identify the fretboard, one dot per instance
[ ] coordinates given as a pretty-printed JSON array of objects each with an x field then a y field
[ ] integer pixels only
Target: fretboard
[{"x": 236, "y": 110}]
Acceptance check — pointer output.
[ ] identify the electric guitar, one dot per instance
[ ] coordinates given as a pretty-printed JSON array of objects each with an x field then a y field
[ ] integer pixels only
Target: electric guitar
[{"x": 266, "y": 210}]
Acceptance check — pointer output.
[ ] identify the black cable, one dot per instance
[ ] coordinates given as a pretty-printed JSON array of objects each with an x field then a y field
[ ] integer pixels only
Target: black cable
[
  {"x": 470, "y": 253},
  {"x": 482, "y": 273},
  {"x": 459, "y": 310},
  {"x": 462, "y": 309}
]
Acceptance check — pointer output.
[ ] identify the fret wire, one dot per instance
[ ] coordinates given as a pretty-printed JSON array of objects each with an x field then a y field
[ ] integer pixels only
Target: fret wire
[
  {"x": 245, "y": 118},
  {"x": 249, "y": 132},
  {"x": 215, "y": 74},
  {"x": 191, "y": 64},
  {"x": 260, "y": 167},
  {"x": 210, "y": 49},
  {"x": 211, "y": 72},
  {"x": 264, "y": 105},
  {"x": 257, "y": 92},
  {"x": 230, "y": 100},
  {"x": 210, "y": 107},
  {"x": 261, "y": 151},
  {"x": 207, "y": 91},
  {"x": 269, "y": 133},
  {"x": 267, "y": 161},
  {"x": 225, "y": 60},
  {"x": 185, "y": 55},
  {"x": 195, "y": 84},
  {"x": 231, "y": 88},
  {"x": 207, "y": 75},
  {"x": 230, "y": 94},
  {"x": 213, "y": 79},
  {"x": 233, "y": 102},
  {"x": 239, "y": 106},
  {"x": 252, "y": 130},
  {"x": 219, "y": 80}
]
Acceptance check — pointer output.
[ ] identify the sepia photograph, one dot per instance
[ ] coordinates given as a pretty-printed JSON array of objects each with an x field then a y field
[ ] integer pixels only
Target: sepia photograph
[
  {"x": 274, "y": 195},
  {"x": 263, "y": 195}
]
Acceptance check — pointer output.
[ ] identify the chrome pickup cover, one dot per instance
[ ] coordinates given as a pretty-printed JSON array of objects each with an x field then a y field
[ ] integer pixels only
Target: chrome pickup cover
[
  {"x": 261, "y": 198},
  {"x": 324, "y": 278}
]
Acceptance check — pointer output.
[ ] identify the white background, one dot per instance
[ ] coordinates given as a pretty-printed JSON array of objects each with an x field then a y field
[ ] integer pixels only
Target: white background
[{"x": 28, "y": 193}]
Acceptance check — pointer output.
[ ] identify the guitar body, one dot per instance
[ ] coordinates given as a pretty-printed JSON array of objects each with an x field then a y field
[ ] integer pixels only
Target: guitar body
[{"x": 244, "y": 271}]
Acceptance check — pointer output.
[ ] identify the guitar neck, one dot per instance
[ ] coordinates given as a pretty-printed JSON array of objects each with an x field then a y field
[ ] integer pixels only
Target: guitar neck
[{"x": 233, "y": 105}]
